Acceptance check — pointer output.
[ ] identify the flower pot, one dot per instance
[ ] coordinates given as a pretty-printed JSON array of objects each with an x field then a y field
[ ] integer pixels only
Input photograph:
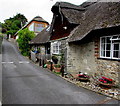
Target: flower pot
[
  {"x": 57, "y": 69},
  {"x": 48, "y": 66}
]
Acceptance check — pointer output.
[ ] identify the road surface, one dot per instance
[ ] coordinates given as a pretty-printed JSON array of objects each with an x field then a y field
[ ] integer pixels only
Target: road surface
[{"x": 26, "y": 83}]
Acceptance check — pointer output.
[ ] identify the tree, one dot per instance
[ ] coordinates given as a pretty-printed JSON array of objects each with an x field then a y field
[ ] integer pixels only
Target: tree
[
  {"x": 12, "y": 25},
  {"x": 24, "y": 36}
]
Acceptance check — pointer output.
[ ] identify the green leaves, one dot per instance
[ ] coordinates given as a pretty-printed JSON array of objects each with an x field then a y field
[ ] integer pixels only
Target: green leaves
[
  {"x": 12, "y": 25},
  {"x": 24, "y": 36}
]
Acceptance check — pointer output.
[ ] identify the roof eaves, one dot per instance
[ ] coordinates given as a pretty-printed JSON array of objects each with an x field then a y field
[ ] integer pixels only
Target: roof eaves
[{"x": 83, "y": 36}]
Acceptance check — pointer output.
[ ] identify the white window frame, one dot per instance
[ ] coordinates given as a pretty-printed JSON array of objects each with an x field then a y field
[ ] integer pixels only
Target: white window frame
[
  {"x": 116, "y": 50},
  {"x": 56, "y": 47},
  {"x": 112, "y": 43}
]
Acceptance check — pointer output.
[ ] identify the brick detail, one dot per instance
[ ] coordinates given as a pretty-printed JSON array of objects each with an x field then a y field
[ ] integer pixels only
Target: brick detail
[{"x": 96, "y": 49}]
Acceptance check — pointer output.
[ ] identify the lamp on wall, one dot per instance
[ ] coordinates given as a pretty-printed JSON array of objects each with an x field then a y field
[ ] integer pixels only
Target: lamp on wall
[{"x": 65, "y": 27}]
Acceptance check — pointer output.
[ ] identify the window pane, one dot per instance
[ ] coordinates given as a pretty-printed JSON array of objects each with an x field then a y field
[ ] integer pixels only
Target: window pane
[
  {"x": 102, "y": 46},
  {"x": 107, "y": 53},
  {"x": 108, "y": 46},
  {"x": 108, "y": 40},
  {"x": 103, "y": 53},
  {"x": 115, "y": 54},
  {"x": 54, "y": 47},
  {"x": 103, "y": 40},
  {"x": 116, "y": 47},
  {"x": 56, "y": 51}
]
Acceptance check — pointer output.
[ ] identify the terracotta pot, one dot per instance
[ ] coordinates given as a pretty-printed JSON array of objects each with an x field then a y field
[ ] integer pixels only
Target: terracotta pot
[
  {"x": 57, "y": 69},
  {"x": 48, "y": 66}
]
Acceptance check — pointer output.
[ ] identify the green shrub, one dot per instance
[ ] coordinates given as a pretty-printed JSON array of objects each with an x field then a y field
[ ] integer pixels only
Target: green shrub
[
  {"x": 24, "y": 36},
  {"x": 57, "y": 65}
]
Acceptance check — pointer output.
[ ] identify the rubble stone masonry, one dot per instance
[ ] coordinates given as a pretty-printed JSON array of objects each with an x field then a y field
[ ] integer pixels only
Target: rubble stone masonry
[{"x": 85, "y": 58}]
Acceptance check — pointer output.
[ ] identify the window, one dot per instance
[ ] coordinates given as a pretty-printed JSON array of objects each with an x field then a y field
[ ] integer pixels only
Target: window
[
  {"x": 56, "y": 47},
  {"x": 110, "y": 47},
  {"x": 48, "y": 29},
  {"x": 31, "y": 27},
  {"x": 39, "y": 27}
]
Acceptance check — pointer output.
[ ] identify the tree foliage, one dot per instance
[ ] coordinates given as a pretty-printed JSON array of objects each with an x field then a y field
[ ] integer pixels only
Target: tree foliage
[
  {"x": 12, "y": 25},
  {"x": 24, "y": 36}
]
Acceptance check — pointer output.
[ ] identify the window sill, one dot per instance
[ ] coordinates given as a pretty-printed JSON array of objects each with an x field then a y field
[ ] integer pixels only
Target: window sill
[
  {"x": 108, "y": 59},
  {"x": 56, "y": 53}
]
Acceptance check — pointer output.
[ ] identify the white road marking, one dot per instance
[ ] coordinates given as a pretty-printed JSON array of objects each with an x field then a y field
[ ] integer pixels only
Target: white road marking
[
  {"x": 23, "y": 62},
  {"x": 8, "y": 62}
]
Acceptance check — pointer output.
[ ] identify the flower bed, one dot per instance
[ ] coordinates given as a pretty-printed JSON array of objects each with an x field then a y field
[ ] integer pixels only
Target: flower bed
[
  {"x": 83, "y": 76},
  {"x": 106, "y": 81}
]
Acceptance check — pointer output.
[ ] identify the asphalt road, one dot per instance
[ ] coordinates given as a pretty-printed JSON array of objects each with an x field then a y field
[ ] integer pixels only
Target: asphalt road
[
  {"x": 0, "y": 70},
  {"x": 26, "y": 83}
]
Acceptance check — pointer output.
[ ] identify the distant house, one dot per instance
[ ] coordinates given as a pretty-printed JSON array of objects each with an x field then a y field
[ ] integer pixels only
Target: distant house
[
  {"x": 89, "y": 37},
  {"x": 37, "y": 24},
  {"x": 41, "y": 45}
]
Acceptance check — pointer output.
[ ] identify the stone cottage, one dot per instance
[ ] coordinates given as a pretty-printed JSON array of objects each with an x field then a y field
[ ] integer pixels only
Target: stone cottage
[
  {"x": 94, "y": 47},
  {"x": 41, "y": 45},
  {"x": 88, "y": 36},
  {"x": 65, "y": 19}
]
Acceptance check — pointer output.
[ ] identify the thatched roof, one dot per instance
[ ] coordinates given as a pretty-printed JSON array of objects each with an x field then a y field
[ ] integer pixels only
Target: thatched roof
[
  {"x": 66, "y": 5},
  {"x": 69, "y": 11},
  {"x": 42, "y": 37},
  {"x": 97, "y": 15},
  {"x": 39, "y": 19}
]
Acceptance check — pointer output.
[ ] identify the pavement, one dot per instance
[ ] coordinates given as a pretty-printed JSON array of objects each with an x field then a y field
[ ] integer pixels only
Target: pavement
[{"x": 26, "y": 83}]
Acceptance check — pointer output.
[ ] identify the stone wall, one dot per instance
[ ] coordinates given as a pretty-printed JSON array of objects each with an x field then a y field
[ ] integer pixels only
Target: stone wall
[
  {"x": 81, "y": 58},
  {"x": 62, "y": 57},
  {"x": 42, "y": 49},
  {"x": 85, "y": 57},
  {"x": 109, "y": 68}
]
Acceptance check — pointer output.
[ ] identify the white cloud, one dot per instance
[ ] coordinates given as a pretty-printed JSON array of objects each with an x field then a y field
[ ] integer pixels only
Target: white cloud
[{"x": 30, "y": 8}]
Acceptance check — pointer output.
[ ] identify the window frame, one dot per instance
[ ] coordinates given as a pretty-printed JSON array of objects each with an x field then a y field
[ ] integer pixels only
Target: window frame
[
  {"x": 112, "y": 43},
  {"x": 56, "y": 47}
]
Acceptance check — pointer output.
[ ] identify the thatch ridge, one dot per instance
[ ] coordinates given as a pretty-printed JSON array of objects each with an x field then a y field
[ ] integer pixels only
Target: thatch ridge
[{"x": 98, "y": 15}]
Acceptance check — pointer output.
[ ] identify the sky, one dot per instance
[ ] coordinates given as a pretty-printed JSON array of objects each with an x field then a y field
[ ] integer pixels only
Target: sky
[{"x": 30, "y": 8}]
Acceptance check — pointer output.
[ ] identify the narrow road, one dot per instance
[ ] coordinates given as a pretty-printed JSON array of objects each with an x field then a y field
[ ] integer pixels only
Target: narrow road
[{"x": 26, "y": 83}]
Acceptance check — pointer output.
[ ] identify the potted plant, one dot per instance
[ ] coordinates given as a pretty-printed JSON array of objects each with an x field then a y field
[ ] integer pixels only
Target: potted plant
[
  {"x": 83, "y": 76},
  {"x": 48, "y": 65},
  {"x": 106, "y": 81},
  {"x": 57, "y": 67}
]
